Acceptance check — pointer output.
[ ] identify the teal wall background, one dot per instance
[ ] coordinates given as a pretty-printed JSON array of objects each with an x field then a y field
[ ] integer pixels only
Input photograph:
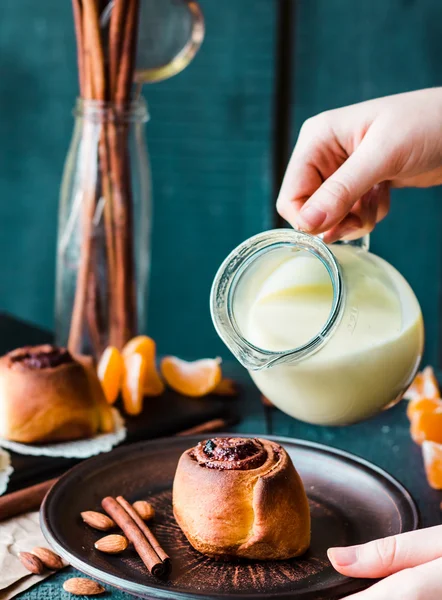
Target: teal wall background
[
  {"x": 349, "y": 51},
  {"x": 211, "y": 140}
]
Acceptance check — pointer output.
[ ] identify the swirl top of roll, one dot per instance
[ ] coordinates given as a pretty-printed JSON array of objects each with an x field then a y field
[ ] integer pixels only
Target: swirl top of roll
[
  {"x": 45, "y": 356},
  {"x": 240, "y": 454}
]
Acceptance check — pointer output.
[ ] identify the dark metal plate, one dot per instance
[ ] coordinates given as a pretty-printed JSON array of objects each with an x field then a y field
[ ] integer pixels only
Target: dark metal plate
[{"x": 351, "y": 502}]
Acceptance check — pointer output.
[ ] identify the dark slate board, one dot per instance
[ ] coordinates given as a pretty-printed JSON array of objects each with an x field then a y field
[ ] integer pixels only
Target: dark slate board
[{"x": 162, "y": 416}]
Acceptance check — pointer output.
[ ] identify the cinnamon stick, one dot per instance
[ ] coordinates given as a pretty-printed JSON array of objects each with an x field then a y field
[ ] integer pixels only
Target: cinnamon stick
[
  {"x": 93, "y": 312},
  {"x": 115, "y": 38},
  {"x": 77, "y": 10},
  {"x": 111, "y": 161},
  {"x": 145, "y": 529},
  {"x": 123, "y": 311},
  {"x": 108, "y": 226},
  {"x": 77, "y": 320},
  {"x": 94, "y": 87},
  {"x": 25, "y": 500},
  {"x": 134, "y": 534},
  {"x": 85, "y": 81},
  {"x": 125, "y": 307},
  {"x": 127, "y": 62},
  {"x": 94, "y": 48}
]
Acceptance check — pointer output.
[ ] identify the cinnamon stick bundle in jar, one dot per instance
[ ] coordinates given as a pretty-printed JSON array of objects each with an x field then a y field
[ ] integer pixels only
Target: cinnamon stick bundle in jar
[{"x": 104, "y": 304}]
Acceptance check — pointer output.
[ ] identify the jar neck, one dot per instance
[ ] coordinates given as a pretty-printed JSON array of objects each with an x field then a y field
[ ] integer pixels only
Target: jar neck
[
  {"x": 98, "y": 111},
  {"x": 229, "y": 275}
]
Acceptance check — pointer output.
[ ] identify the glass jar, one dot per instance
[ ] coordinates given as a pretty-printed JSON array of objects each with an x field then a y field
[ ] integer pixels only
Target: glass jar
[
  {"x": 103, "y": 249},
  {"x": 330, "y": 334}
]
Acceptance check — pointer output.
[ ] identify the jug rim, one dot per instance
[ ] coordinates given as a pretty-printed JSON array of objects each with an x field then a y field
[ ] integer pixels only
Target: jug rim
[{"x": 228, "y": 276}]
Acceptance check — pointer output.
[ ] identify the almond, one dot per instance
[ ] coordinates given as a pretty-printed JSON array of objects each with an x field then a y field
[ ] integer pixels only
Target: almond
[
  {"x": 97, "y": 520},
  {"x": 144, "y": 509},
  {"x": 50, "y": 560},
  {"x": 112, "y": 544},
  {"x": 31, "y": 563},
  {"x": 82, "y": 587}
]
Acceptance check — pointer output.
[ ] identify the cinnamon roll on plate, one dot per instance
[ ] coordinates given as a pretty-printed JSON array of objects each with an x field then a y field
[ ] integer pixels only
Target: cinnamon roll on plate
[{"x": 241, "y": 497}]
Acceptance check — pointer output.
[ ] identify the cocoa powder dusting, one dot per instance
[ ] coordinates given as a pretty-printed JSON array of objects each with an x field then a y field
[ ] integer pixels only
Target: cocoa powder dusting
[{"x": 274, "y": 578}]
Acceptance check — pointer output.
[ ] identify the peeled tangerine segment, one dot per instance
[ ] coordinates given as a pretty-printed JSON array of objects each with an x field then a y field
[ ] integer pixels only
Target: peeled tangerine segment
[
  {"x": 196, "y": 378},
  {"x": 422, "y": 405},
  {"x": 110, "y": 372},
  {"x": 144, "y": 345},
  {"x": 427, "y": 426},
  {"x": 424, "y": 386},
  {"x": 133, "y": 383},
  {"x": 153, "y": 384},
  {"x": 432, "y": 453}
]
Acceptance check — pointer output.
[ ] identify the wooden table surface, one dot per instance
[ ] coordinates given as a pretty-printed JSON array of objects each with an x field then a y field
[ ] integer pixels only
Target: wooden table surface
[{"x": 384, "y": 440}]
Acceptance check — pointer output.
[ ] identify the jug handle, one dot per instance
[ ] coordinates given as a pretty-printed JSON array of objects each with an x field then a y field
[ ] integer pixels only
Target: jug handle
[{"x": 184, "y": 57}]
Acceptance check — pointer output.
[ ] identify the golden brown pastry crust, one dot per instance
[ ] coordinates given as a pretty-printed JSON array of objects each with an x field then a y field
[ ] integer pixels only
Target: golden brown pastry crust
[
  {"x": 48, "y": 396},
  {"x": 258, "y": 512}
]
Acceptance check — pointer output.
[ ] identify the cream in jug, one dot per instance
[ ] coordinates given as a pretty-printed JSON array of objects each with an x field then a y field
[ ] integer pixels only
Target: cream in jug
[{"x": 330, "y": 335}]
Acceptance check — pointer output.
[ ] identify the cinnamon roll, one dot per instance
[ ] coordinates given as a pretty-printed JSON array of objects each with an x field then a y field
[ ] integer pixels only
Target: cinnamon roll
[
  {"x": 241, "y": 497},
  {"x": 46, "y": 395}
]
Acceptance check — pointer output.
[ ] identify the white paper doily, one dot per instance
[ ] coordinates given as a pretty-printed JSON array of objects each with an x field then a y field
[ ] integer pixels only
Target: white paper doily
[
  {"x": 78, "y": 449},
  {"x": 6, "y": 470}
]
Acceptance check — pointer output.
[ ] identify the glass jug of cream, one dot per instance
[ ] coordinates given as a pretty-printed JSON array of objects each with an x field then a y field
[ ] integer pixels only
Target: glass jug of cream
[{"x": 330, "y": 334}]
